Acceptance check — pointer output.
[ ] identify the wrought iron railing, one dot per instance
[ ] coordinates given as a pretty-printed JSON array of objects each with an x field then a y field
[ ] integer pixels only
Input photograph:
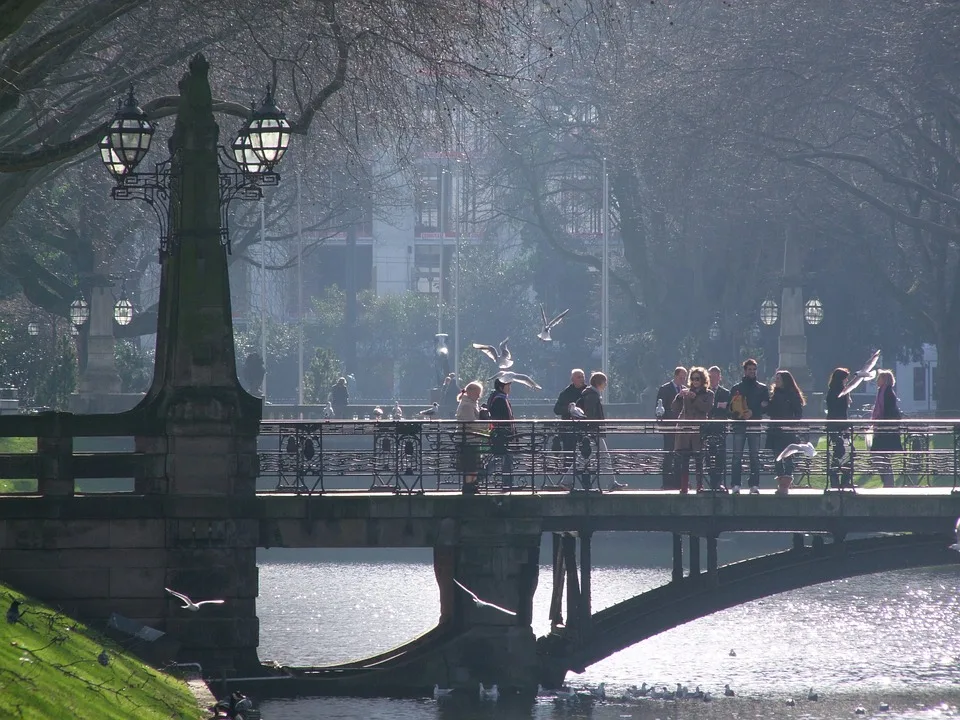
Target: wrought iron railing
[{"x": 309, "y": 457}]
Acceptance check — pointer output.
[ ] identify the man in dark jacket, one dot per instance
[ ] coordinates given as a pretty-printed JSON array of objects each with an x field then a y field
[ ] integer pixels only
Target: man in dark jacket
[
  {"x": 591, "y": 402},
  {"x": 748, "y": 401},
  {"x": 665, "y": 397},
  {"x": 715, "y": 434},
  {"x": 500, "y": 409},
  {"x": 570, "y": 394}
]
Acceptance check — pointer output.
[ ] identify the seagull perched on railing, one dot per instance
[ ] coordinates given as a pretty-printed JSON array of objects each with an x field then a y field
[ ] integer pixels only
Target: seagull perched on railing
[
  {"x": 482, "y": 603},
  {"x": 500, "y": 354},
  {"x": 796, "y": 448},
  {"x": 867, "y": 372},
  {"x": 397, "y": 411},
  {"x": 190, "y": 604},
  {"x": 430, "y": 411},
  {"x": 549, "y": 324},
  {"x": 328, "y": 410},
  {"x": 377, "y": 412},
  {"x": 507, "y": 376}
]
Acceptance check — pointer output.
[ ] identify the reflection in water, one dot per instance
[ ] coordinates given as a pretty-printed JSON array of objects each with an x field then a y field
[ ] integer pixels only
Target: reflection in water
[{"x": 883, "y": 638}]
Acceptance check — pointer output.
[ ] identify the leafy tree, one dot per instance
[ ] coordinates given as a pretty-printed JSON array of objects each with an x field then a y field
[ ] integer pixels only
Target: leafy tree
[{"x": 321, "y": 376}]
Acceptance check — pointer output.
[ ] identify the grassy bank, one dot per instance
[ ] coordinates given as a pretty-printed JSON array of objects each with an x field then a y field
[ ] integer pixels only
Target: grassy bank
[
  {"x": 18, "y": 445},
  {"x": 49, "y": 669}
]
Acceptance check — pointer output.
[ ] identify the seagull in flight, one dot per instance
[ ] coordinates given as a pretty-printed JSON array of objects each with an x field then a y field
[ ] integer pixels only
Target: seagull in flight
[
  {"x": 507, "y": 376},
  {"x": 549, "y": 324},
  {"x": 430, "y": 411},
  {"x": 797, "y": 448},
  {"x": 482, "y": 603},
  {"x": 500, "y": 354},
  {"x": 190, "y": 604},
  {"x": 867, "y": 372}
]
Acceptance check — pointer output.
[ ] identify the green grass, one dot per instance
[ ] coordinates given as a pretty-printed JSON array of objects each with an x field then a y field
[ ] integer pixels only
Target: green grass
[
  {"x": 49, "y": 669},
  {"x": 869, "y": 480},
  {"x": 18, "y": 445}
]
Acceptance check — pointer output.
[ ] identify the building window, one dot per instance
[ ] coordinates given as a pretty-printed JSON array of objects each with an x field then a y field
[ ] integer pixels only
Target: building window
[
  {"x": 920, "y": 383},
  {"x": 428, "y": 194},
  {"x": 580, "y": 206},
  {"x": 426, "y": 270}
]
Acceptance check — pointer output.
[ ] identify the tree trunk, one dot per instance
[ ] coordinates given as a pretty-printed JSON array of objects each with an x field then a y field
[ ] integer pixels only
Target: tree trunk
[{"x": 947, "y": 392}]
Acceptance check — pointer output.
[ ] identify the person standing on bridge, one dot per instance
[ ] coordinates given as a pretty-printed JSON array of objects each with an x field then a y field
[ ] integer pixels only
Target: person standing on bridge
[
  {"x": 570, "y": 394},
  {"x": 838, "y": 435},
  {"x": 339, "y": 398},
  {"x": 886, "y": 437},
  {"x": 666, "y": 394},
  {"x": 748, "y": 401},
  {"x": 786, "y": 403},
  {"x": 715, "y": 434},
  {"x": 693, "y": 403},
  {"x": 591, "y": 402},
  {"x": 468, "y": 412},
  {"x": 500, "y": 434}
]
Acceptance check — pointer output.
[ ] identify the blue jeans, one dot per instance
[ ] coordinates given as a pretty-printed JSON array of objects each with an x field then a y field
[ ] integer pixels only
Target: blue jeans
[{"x": 739, "y": 440}]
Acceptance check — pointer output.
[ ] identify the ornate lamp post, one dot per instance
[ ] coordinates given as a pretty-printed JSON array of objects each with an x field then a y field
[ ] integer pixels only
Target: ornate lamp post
[{"x": 258, "y": 147}]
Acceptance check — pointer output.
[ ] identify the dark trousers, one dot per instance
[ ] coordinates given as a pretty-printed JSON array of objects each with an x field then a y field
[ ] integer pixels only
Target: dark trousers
[
  {"x": 670, "y": 471},
  {"x": 750, "y": 439},
  {"x": 840, "y": 471},
  {"x": 715, "y": 447}
]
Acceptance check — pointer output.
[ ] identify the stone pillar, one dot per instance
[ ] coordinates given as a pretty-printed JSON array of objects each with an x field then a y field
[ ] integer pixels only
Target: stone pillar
[
  {"x": 793, "y": 341},
  {"x": 200, "y": 426},
  {"x": 100, "y": 375},
  {"x": 499, "y": 561}
]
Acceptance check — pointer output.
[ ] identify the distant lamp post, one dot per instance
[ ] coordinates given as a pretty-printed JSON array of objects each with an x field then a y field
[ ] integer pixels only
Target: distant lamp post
[
  {"x": 813, "y": 311},
  {"x": 33, "y": 329},
  {"x": 123, "y": 311},
  {"x": 443, "y": 357},
  {"x": 714, "y": 331},
  {"x": 753, "y": 334},
  {"x": 79, "y": 312},
  {"x": 250, "y": 159},
  {"x": 769, "y": 312}
]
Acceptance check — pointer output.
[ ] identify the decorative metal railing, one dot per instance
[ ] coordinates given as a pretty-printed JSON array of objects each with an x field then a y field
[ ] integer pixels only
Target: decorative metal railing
[{"x": 308, "y": 457}]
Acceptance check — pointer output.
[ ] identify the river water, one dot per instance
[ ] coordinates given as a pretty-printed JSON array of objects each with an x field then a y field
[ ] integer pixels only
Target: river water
[{"x": 892, "y": 638}]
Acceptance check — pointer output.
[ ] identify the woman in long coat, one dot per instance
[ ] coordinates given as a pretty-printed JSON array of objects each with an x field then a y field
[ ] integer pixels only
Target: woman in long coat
[
  {"x": 692, "y": 403},
  {"x": 786, "y": 403},
  {"x": 886, "y": 437}
]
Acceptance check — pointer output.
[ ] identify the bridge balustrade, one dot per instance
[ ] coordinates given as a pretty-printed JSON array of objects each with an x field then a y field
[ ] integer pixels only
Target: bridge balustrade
[
  {"x": 312, "y": 457},
  {"x": 64, "y": 454}
]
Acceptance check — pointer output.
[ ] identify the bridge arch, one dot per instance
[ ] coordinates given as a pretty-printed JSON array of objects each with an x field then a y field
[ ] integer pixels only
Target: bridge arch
[{"x": 681, "y": 601}]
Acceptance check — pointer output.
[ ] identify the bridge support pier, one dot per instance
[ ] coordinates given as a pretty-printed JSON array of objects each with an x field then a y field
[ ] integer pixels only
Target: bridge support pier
[
  {"x": 677, "y": 557},
  {"x": 694, "y": 556},
  {"x": 712, "y": 576},
  {"x": 500, "y": 563}
]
